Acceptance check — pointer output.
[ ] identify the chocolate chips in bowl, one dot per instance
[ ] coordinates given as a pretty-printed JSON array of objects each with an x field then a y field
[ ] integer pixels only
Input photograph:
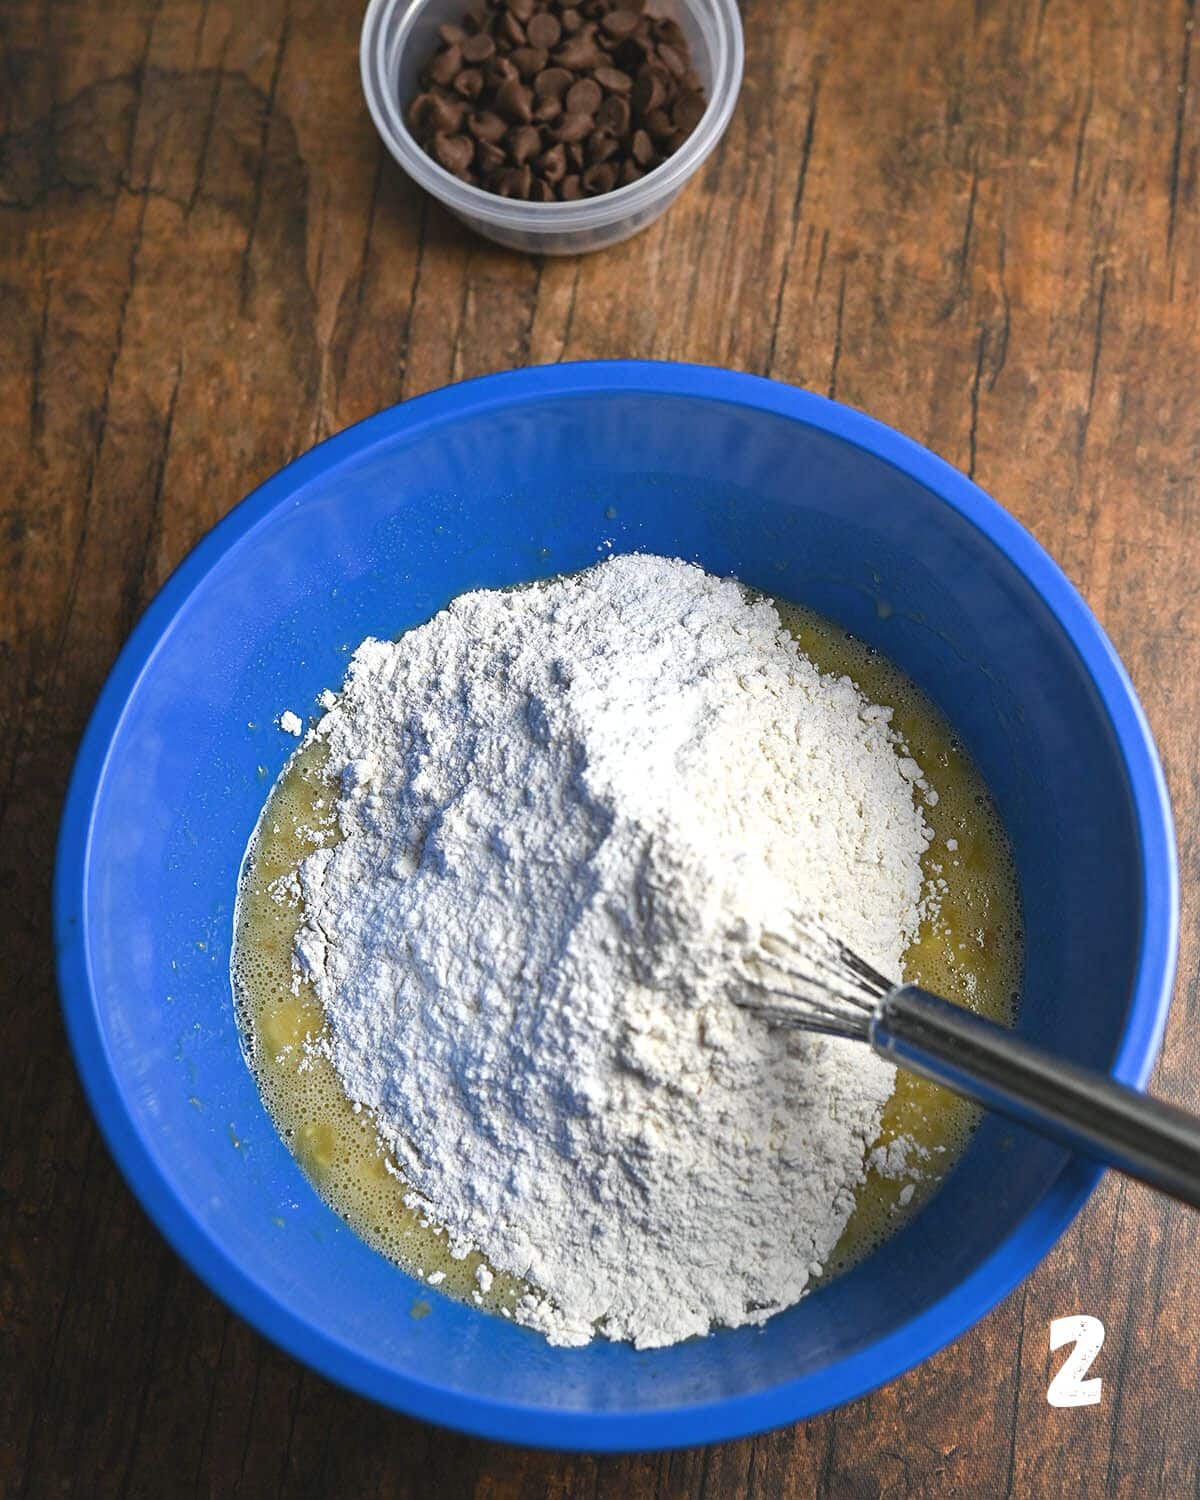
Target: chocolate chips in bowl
[
  {"x": 552, "y": 102},
  {"x": 404, "y": 54}
]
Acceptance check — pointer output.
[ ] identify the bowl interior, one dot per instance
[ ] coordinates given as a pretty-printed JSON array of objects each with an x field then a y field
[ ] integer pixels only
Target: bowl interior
[{"x": 371, "y": 534}]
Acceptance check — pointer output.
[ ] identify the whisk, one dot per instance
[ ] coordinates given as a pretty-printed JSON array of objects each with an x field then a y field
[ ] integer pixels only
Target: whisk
[{"x": 814, "y": 982}]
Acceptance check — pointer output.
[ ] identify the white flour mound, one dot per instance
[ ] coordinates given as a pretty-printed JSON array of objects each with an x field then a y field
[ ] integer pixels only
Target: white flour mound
[{"x": 565, "y": 810}]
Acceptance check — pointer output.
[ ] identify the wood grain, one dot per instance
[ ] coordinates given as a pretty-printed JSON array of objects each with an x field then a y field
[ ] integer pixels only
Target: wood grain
[{"x": 979, "y": 221}]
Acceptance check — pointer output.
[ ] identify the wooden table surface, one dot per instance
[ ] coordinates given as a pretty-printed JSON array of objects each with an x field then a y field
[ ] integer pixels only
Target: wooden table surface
[{"x": 978, "y": 221}]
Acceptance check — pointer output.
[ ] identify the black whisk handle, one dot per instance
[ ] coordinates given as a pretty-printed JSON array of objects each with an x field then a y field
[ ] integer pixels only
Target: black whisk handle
[{"x": 1085, "y": 1110}]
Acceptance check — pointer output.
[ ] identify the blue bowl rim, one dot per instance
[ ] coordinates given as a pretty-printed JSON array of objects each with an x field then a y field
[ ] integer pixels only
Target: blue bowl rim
[{"x": 703, "y": 1422}]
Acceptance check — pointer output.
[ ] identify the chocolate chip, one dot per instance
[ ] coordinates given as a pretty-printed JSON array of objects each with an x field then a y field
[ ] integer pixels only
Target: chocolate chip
[
  {"x": 418, "y": 111},
  {"x": 579, "y": 52},
  {"x": 524, "y": 143},
  {"x": 621, "y": 23},
  {"x": 547, "y": 109},
  {"x": 552, "y": 164},
  {"x": 659, "y": 124},
  {"x": 486, "y": 126},
  {"x": 614, "y": 114},
  {"x": 601, "y": 178},
  {"x": 613, "y": 80},
  {"x": 499, "y": 71},
  {"x": 511, "y": 30},
  {"x": 632, "y": 53},
  {"x": 514, "y": 102},
  {"x": 489, "y": 158},
  {"x": 571, "y": 189},
  {"x": 584, "y": 97},
  {"x": 514, "y": 182},
  {"x": 601, "y": 146},
  {"x": 688, "y": 112},
  {"x": 642, "y": 148},
  {"x": 444, "y": 114},
  {"x": 653, "y": 67},
  {"x": 529, "y": 61},
  {"x": 574, "y": 127},
  {"x": 553, "y": 82},
  {"x": 630, "y": 172},
  {"x": 454, "y": 152},
  {"x": 477, "y": 49},
  {"x": 544, "y": 30},
  {"x": 540, "y": 192},
  {"x": 649, "y": 92},
  {"x": 522, "y": 9},
  {"x": 671, "y": 60},
  {"x": 575, "y": 157},
  {"x": 469, "y": 83},
  {"x": 452, "y": 36},
  {"x": 446, "y": 65}
]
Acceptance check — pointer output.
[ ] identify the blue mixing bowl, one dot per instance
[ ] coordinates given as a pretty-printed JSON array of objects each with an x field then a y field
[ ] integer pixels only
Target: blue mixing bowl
[{"x": 515, "y": 477}]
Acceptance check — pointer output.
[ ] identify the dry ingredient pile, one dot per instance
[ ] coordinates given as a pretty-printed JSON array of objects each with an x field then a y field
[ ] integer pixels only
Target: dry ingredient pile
[{"x": 564, "y": 813}]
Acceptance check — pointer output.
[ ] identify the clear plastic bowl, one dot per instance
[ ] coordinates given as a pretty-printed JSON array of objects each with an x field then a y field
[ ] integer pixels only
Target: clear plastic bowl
[{"x": 398, "y": 37}]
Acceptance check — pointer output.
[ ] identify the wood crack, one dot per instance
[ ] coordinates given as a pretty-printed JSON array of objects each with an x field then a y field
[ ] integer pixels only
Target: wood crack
[
  {"x": 291, "y": 1434},
  {"x": 837, "y": 339},
  {"x": 82, "y": 1238},
  {"x": 346, "y": 343},
  {"x": 569, "y": 325},
  {"x": 828, "y": 1458},
  {"x": 414, "y": 293},
  {"x": 976, "y": 381},
  {"x": 525, "y": 341},
  {"x": 37, "y": 403},
  {"x": 1080, "y": 140},
  {"x": 810, "y": 128},
  {"x": 259, "y": 1355},
  {"x": 261, "y": 169},
  {"x": 156, "y": 1320},
  {"x": 1015, "y": 1414},
  {"x": 1085, "y": 421},
  {"x": 76, "y": 570},
  {"x": 209, "y": 125},
  {"x": 1122, "y": 1361},
  {"x": 962, "y": 255},
  {"x": 1177, "y": 143},
  {"x": 214, "y": 1386},
  {"x": 139, "y": 583}
]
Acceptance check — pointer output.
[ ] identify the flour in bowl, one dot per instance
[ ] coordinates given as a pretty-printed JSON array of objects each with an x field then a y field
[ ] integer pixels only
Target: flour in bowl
[{"x": 564, "y": 811}]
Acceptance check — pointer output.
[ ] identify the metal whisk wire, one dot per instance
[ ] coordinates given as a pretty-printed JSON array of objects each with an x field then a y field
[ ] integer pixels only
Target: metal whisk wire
[
  {"x": 812, "y": 981},
  {"x": 807, "y": 978}
]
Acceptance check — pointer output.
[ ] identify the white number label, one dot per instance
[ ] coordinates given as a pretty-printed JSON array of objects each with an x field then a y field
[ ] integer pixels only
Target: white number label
[{"x": 1068, "y": 1388}]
